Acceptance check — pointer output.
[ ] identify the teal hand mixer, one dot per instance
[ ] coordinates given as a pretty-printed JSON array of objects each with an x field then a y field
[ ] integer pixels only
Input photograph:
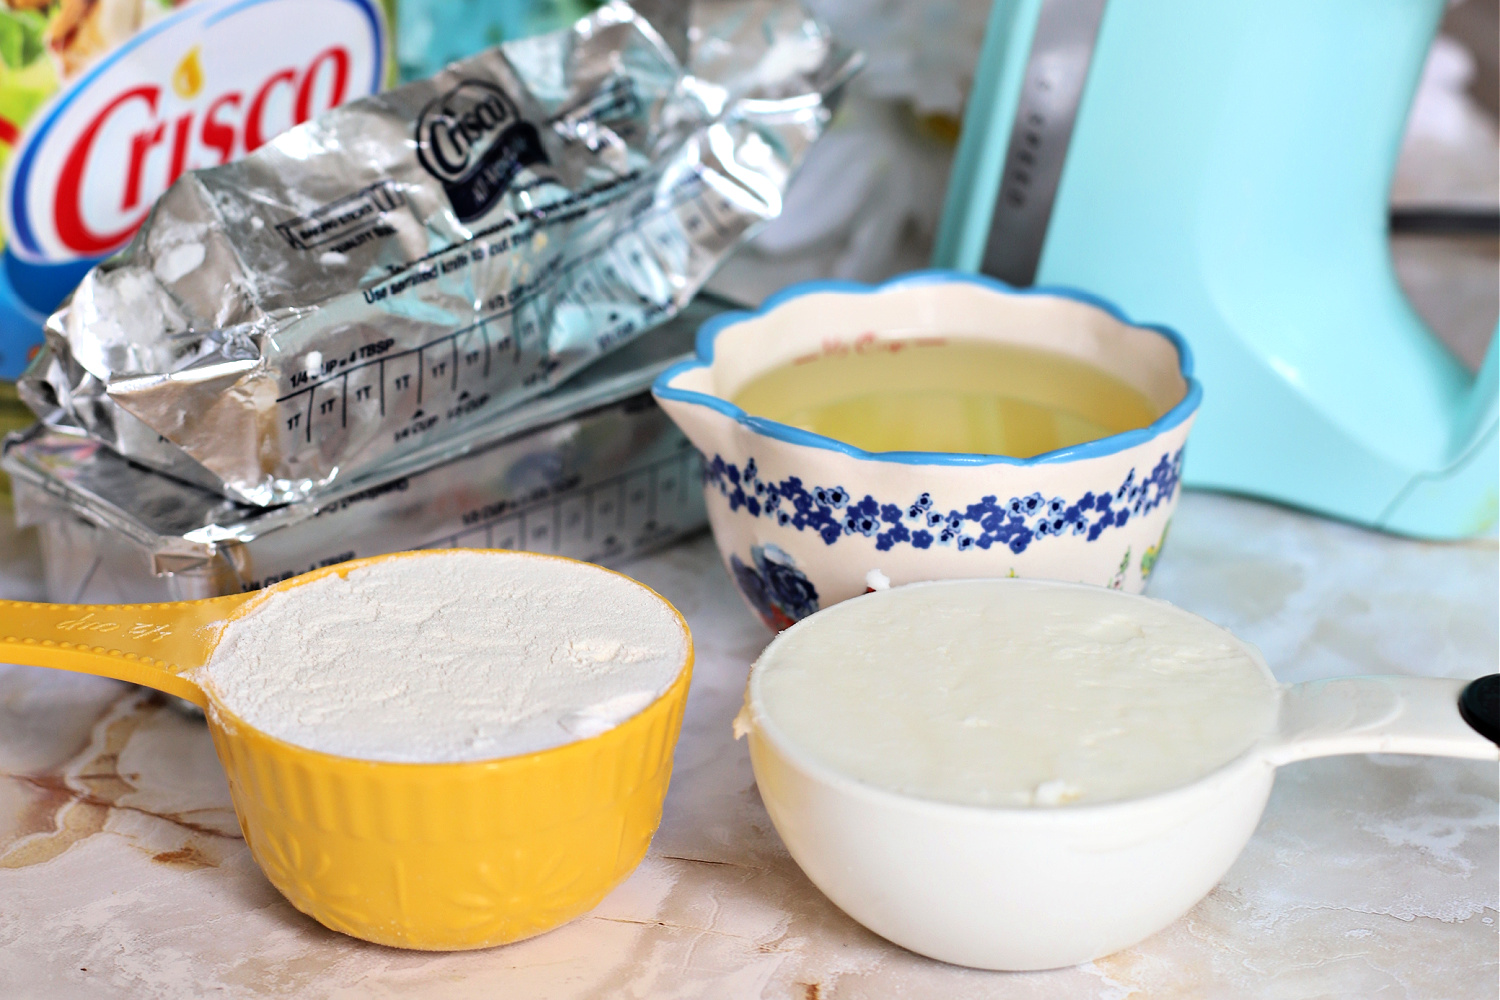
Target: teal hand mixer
[{"x": 1224, "y": 168}]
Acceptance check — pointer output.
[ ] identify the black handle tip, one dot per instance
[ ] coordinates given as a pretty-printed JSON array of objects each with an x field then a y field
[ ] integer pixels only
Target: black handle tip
[{"x": 1479, "y": 704}]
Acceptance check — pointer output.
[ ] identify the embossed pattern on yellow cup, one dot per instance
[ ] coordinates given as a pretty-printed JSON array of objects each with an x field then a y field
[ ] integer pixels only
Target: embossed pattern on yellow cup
[{"x": 439, "y": 857}]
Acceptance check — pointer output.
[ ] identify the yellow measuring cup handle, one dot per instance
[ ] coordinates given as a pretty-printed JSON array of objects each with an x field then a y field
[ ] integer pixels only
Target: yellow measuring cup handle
[{"x": 150, "y": 644}]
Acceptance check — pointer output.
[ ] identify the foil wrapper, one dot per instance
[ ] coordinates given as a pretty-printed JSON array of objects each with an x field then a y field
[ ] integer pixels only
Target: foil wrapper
[
  {"x": 594, "y": 470},
  {"x": 409, "y": 265}
]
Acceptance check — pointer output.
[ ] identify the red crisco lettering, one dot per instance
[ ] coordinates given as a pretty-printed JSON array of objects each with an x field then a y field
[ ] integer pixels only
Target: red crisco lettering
[
  {"x": 181, "y": 132},
  {"x": 255, "y": 136},
  {"x": 140, "y": 145},
  {"x": 215, "y": 128},
  {"x": 67, "y": 204},
  {"x": 217, "y": 135},
  {"x": 338, "y": 56}
]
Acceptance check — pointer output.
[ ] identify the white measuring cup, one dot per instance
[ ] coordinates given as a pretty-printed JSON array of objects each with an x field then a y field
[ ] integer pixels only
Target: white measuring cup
[{"x": 1026, "y": 888}]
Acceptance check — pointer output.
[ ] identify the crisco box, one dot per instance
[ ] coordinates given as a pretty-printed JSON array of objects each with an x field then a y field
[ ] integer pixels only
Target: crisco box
[{"x": 103, "y": 103}]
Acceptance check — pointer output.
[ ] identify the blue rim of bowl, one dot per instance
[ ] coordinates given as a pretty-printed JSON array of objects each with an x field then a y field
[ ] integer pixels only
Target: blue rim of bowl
[{"x": 1114, "y": 443}]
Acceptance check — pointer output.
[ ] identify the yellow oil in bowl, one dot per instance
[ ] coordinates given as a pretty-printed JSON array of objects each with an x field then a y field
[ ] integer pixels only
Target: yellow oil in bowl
[{"x": 947, "y": 395}]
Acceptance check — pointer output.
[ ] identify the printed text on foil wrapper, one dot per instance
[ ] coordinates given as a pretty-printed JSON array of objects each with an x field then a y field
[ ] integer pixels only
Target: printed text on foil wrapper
[
  {"x": 593, "y": 470},
  {"x": 411, "y": 262}
]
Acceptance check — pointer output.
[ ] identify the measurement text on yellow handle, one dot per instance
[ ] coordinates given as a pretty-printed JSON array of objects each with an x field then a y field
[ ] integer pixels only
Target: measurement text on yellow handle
[{"x": 132, "y": 630}]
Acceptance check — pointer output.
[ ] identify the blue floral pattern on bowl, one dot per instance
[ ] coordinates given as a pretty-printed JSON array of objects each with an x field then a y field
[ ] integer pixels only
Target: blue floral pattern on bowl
[
  {"x": 780, "y": 593},
  {"x": 1084, "y": 513},
  {"x": 833, "y": 513}
]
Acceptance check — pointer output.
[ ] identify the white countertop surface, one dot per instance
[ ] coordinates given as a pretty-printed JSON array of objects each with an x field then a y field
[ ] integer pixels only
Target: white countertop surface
[{"x": 122, "y": 872}]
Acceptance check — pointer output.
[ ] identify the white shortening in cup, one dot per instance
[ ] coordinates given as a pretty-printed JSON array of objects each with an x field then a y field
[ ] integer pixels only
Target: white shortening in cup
[
  {"x": 472, "y": 656},
  {"x": 1022, "y": 774},
  {"x": 1018, "y": 696}
]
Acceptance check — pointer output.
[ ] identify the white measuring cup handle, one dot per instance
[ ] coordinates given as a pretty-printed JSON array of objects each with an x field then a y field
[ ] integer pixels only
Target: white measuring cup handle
[{"x": 1388, "y": 714}]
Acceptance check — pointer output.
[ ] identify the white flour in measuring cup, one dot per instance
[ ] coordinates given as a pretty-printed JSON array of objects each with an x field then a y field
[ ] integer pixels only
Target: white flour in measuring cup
[{"x": 455, "y": 656}]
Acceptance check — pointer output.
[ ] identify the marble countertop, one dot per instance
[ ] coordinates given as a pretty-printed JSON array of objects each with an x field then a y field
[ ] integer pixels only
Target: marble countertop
[{"x": 122, "y": 872}]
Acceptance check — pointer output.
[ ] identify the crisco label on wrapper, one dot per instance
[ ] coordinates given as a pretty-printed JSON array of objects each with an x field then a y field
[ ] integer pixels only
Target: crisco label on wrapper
[
  {"x": 104, "y": 103},
  {"x": 376, "y": 283}
]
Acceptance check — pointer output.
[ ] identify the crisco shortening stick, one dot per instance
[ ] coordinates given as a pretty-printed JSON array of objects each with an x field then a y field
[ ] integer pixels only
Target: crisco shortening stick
[{"x": 410, "y": 263}]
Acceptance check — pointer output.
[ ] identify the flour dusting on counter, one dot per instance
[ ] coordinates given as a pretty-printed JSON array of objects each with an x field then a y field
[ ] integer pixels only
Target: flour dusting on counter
[{"x": 444, "y": 657}]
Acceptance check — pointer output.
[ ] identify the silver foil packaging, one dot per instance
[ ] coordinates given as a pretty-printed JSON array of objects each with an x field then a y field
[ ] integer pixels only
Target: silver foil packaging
[
  {"x": 594, "y": 470},
  {"x": 410, "y": 264}
]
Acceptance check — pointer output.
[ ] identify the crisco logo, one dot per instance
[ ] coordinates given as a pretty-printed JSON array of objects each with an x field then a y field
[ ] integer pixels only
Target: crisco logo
[
  {"x": 206, "y": 85},
  {"x": 474, "y": 141},
  {"x": 455, "y": 130}
]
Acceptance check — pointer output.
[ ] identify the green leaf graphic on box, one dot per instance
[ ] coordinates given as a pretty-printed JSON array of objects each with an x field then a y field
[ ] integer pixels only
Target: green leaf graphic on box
[
  {"x": 22, "y": 91},
  {"x": 21, "y": 37}
]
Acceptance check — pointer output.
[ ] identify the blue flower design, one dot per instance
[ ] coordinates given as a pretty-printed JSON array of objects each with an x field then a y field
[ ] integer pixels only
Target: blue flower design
[
  {"x": 831, "y": 512},
  {"x": 779, "y": 592}
]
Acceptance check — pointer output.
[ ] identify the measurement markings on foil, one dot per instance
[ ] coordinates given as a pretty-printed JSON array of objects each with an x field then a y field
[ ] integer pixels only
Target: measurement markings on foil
[
  {"x": 451, "y": 376},
  {"x": 603, "y": 519},
  {"x": 399, "y": 371}
]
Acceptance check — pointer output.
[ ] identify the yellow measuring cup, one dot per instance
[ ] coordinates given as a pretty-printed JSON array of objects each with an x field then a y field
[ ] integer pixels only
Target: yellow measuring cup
[{"x": 439, "y": 857}]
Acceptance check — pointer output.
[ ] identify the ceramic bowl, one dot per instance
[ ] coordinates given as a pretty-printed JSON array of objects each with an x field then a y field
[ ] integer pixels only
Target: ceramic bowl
[
  {"x": 803, "y": 521},
  {"x": 1043, "y": 887}
]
